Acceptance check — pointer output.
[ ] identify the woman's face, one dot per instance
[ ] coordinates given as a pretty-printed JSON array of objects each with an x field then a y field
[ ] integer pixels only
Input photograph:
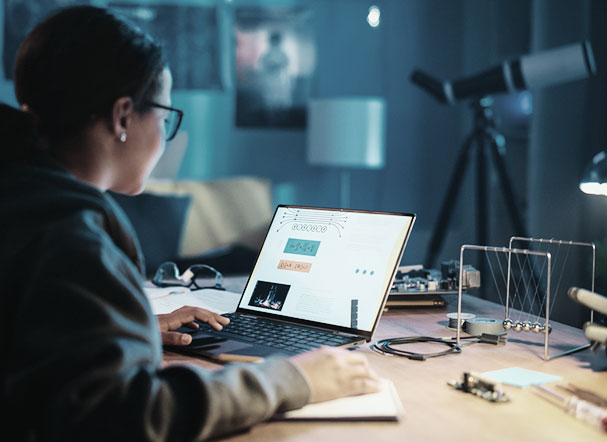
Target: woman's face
[{"x": 145, "y": 142}]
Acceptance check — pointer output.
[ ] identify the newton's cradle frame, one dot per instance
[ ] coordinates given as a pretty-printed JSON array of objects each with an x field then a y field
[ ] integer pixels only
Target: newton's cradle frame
[{"x": 526, "y": 326}]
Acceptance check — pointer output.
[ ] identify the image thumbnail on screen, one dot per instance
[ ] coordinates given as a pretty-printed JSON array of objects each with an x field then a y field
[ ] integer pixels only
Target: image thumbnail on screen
[{"x": 270, "y": 295}]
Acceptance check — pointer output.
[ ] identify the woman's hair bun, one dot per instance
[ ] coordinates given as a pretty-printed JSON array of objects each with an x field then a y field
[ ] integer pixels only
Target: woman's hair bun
[{"x": 18, "y": 132}]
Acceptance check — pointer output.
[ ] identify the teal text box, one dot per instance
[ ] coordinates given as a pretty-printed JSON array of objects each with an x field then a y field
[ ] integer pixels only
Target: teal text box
[{"x": 302, "y": 247}]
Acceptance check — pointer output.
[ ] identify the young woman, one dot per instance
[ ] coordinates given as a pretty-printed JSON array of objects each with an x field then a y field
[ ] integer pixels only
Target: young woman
[{"x": 81, "y": 349}]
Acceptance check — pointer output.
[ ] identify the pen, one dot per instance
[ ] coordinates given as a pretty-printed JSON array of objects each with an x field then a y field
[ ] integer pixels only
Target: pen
[
  {"x": 583, "y": 410},
  {"x": 586, "y": 395},
  {"x": 178, "y": 292}
]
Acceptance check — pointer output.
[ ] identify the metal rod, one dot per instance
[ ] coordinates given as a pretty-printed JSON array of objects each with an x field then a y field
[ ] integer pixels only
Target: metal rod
[
  {"x": 507, "y": 313},
  {"x": 593, "y": 268},
  {"x": 551, "y": 241},
  {"x": 547, "y": 323},
  {"x": 459, "y": 294},
  {"x": 568, "y": 352},
  {"x": 503, "y": 250}
]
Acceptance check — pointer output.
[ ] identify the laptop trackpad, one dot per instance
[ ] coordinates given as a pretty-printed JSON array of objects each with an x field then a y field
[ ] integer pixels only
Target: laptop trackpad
[
  {"x": 213, "y": 345},
  {"x": 216, "y": 344}
]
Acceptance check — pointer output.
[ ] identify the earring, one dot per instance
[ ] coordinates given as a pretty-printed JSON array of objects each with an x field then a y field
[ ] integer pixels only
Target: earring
[{"x": 123, "y": 137}]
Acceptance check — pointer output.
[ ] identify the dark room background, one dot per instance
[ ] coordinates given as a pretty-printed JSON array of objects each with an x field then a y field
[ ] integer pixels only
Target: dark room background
[{"x": 550, "y": 134}]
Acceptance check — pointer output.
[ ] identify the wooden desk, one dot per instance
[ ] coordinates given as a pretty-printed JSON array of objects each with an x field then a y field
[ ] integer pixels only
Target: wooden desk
[{"x": 437, "y": 412}]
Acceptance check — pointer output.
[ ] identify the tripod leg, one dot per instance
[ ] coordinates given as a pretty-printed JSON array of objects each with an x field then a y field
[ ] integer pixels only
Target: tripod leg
[
  {"x": 444, "y": 216},
  {"x": 482, "y": 215},
  {"x": 482, "y": 211},
  {"x": 507, "y": 189},
  {"x": 513, "y": 209}
]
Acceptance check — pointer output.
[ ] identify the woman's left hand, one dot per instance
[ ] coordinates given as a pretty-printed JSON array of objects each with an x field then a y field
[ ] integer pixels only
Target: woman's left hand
[{"x": 185, "y": 316}]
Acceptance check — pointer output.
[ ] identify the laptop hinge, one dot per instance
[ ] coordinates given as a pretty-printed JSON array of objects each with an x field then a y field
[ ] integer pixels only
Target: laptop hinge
[{"x": 348, "y": 335}]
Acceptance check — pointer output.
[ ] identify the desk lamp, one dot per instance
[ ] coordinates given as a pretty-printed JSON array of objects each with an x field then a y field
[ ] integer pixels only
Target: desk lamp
[
  {"x": 347, "y": 132},
  {"x": 594, "y": 180}
]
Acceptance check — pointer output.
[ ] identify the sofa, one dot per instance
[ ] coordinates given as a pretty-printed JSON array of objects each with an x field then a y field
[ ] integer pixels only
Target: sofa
[{"x": 221, "y": 223}]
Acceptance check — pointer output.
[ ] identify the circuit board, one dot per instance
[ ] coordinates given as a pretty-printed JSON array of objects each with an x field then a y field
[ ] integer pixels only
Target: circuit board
[{"x": 416, "y": 280}]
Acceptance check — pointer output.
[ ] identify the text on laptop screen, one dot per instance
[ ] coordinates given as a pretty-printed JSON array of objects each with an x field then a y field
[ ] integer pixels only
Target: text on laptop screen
[{"x": 327, "y": 266}]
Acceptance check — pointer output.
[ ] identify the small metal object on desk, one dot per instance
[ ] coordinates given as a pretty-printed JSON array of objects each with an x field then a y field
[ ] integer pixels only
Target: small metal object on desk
[
  {"x": 472, "y": 383},
  {"x": 463, "y": 318},
  {"x": 477, "y": 326}
]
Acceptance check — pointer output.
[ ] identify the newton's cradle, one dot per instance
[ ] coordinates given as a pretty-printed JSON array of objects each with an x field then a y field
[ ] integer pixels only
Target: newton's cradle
[{"x": 526, "y": 285}]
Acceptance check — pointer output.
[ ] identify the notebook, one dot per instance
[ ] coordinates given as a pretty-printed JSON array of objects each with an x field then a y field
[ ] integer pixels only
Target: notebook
[
  {"x": 385, "y": 405},
  {"x": 322, "y": 277}
]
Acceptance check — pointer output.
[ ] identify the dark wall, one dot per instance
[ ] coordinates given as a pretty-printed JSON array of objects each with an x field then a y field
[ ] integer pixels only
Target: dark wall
[
  {"x": 569, "y": 128},
  {"x": 354, "y": 59},
  {"x": 545, "y": 152}
]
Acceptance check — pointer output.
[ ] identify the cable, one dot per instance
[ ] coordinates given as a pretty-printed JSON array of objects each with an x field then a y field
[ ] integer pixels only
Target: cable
[{"x": 386, "y": 346}]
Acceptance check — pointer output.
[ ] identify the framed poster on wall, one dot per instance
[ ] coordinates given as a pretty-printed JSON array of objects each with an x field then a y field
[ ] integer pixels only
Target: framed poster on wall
[
  {"x": 275, "y": 60},
  {"x": 190, "y": 35},
  {"x": 20, "y": 18}
]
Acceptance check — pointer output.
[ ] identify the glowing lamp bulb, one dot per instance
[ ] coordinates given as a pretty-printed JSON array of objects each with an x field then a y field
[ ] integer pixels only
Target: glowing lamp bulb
[{"x": 373, "y": 18}]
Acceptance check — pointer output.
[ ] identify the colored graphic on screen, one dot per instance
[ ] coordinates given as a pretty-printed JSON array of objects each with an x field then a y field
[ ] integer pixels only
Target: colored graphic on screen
[
  {"x": 295, "y": 266},
  {"x": 304, "y": 247},
  {"x": 270, "y": 295},
  {"x": 314, "y": 221}
]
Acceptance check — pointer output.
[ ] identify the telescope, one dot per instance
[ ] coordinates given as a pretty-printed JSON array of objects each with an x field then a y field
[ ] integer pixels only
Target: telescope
[{"x": 547, "y": 68}]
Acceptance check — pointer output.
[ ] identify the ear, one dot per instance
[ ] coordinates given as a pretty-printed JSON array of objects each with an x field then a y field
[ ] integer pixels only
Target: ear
[{"x": 122, "y": 115}]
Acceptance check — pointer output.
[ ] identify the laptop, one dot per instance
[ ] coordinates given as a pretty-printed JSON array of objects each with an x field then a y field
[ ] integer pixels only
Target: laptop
[{"x": 322, "y": 277}]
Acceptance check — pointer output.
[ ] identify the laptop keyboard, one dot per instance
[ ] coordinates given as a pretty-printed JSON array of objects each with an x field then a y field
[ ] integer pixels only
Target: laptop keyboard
[{"x": 276, "y": 334}]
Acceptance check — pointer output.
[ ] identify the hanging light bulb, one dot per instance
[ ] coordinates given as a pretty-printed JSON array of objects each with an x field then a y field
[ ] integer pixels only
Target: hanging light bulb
[{"x": 373, "y": 18}]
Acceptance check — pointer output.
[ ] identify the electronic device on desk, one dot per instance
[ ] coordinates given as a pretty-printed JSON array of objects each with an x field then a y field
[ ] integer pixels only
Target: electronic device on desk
[{"x": 415, "y": 286}]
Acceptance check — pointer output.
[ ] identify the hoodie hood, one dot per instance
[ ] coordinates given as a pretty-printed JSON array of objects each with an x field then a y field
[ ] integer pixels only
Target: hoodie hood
[{"x": 35, "y": 196}]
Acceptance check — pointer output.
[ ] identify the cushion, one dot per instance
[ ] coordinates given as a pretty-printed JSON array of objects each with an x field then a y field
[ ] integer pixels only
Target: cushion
[
  {"x": 158, "y": 221},
  {"x": 223, "y": 212}
]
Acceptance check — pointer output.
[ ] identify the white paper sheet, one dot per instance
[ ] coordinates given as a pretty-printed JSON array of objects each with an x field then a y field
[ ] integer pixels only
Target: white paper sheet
[{"x": 167, "y": 299}]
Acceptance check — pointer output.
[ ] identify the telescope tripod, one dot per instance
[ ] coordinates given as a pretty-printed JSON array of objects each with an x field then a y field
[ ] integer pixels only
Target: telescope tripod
[{"x": 486, "y": 138}]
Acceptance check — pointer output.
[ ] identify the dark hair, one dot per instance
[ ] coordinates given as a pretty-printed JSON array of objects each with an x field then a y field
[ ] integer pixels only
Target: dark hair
[
  {"x": 18, "y": 133},
  {"x": 73, "y": 66}
]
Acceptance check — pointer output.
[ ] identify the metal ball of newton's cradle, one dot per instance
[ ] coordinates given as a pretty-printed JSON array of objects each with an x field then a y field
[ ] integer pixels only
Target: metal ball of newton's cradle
[
  {"x": 543, "y": 328},
  {"x": 527, "y": 326},
  {"x": 536, "y": 327},
  {"x": 507, "y": 324},
  {"x": 518, "y": 326}
]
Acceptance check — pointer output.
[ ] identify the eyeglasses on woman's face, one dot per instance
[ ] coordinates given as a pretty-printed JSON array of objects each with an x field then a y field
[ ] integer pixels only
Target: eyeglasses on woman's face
[{"x": 172, "y": 120}]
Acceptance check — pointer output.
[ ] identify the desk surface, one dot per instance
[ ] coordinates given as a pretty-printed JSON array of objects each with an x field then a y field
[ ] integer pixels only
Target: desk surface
[{"x": 437, "y": 412}]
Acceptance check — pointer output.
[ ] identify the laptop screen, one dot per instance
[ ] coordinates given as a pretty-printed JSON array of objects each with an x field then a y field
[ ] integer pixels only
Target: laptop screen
[{"x": 328, "y": 266}]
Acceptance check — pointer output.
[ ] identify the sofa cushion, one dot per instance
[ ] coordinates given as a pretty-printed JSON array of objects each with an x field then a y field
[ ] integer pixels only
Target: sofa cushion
[
  {"x": 222, "y": 213},
  {"x": 158, "y": 221}
]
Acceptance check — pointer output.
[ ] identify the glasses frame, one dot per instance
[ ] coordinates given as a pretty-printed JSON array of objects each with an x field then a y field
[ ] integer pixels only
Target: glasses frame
[
  {"x": 188, "y": 277},
  {"x": 169, "y": 137}
]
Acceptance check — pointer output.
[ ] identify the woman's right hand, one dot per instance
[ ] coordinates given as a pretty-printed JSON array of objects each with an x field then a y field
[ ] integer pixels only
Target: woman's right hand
[{"x": 334, "y": 372}]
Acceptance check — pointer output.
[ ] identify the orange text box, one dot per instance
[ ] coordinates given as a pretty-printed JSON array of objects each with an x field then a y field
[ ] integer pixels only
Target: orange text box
[{"x": 295, "y": 266}]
